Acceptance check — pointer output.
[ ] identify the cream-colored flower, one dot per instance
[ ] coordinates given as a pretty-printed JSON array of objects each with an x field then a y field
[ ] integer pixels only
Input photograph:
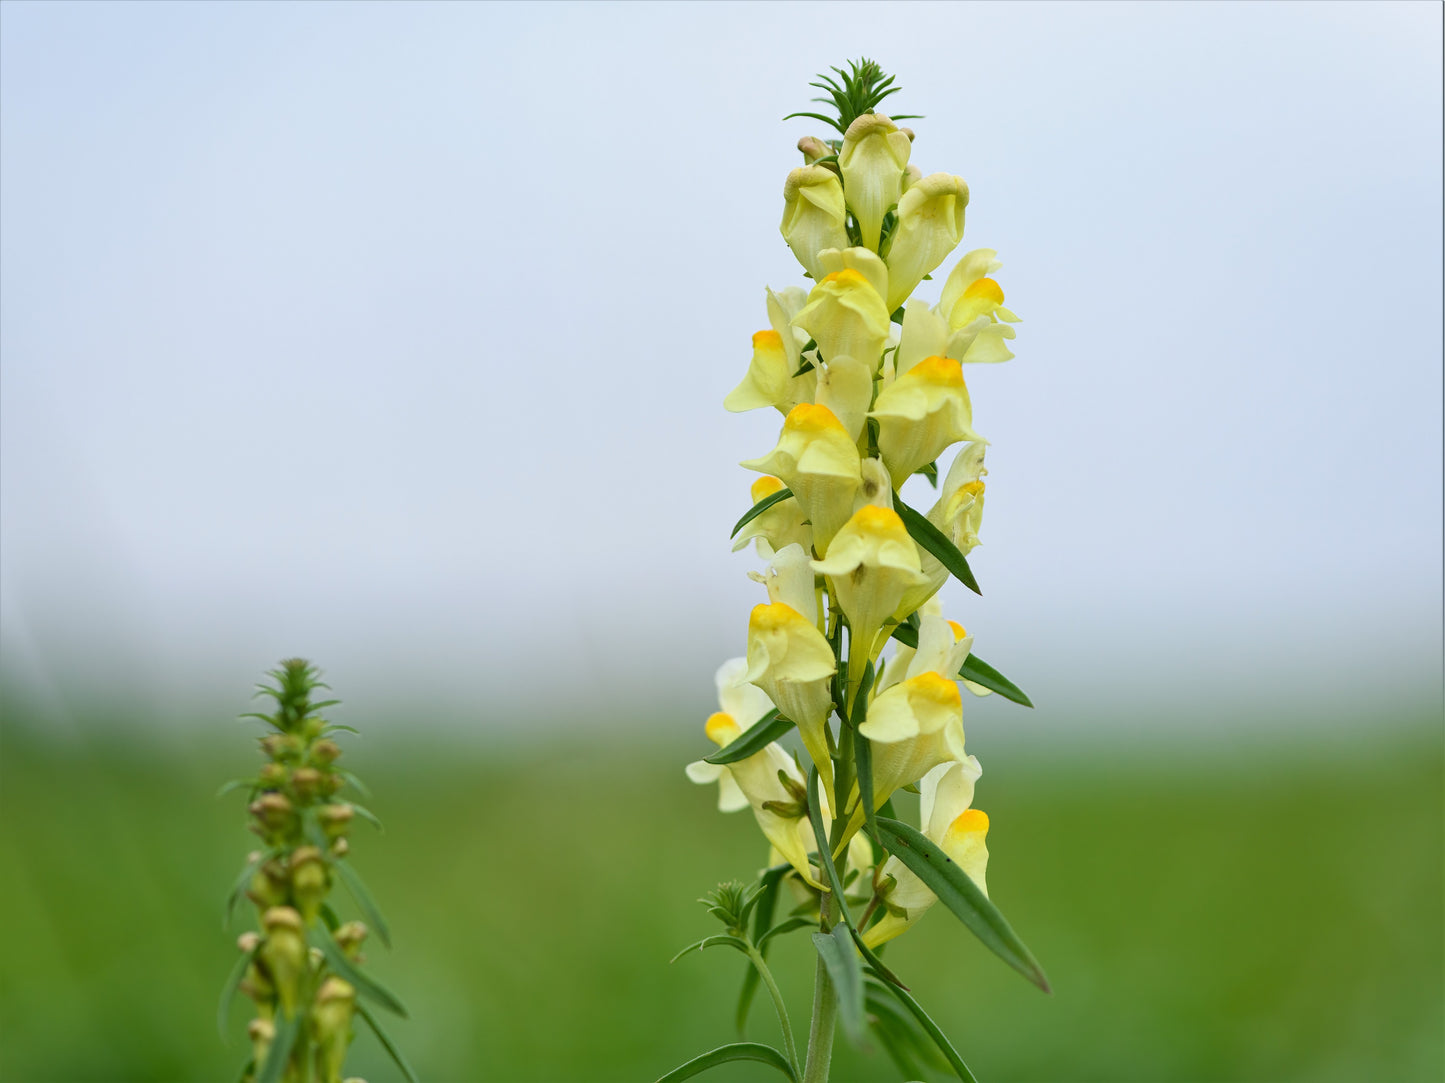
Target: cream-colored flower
[
  {"x": 814, "y": 215},
  {"x": 914, "y": 726},
  {"x": 790, "y": 580},
  {"x": 921, "y": 414},
  {"x": 943, "y": 646},
  {"x": 768, "y": 377},
  {"x": 958, "y": 830},
  {"x": 958, "y": 513},
  {"x": 790, "y": 660},
  {"x": 845, "y": 386},
  {"x": 819, "y": 462},
  {"x": 863, "y": 260},
  {"x": 972, "y": 303},
  {"x": 873, "y": 159},
  {"x": 846, "y": 318},
  {"x": 930, "y": 225},
  {"x": 742, "y": 705},
  {"x": 869, "y": 566},
  {"x": 782, "y": 307},
  {"x": 776, "y": 527}
]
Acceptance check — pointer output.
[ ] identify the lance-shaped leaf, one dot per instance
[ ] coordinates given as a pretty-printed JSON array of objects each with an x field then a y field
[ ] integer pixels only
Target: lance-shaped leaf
[
  {"x": 903, "y": 1039},
  {"x": 980, "y": 672},
  {"x": 771, "y": 727},
  {"x": 863, "y": 750},
  {"x": 960, "y": 894},
  {"x": 365, "y": 984},
  {"x": 387, "y": 1044},
  {"x": 835, "y": 948},
  {"x": 936, "y": 542},
  {"x": 711, "y": 942},
  {"x": 280, "y": 1051},
  {"x": 725, "y": 1054},
  {"x": 363, "y": 898},
  {"x": 761, "y": 506},
  {"x": 931, "y": 1028}
]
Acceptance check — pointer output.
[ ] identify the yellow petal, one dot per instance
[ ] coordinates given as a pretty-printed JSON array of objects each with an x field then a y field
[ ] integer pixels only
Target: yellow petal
[
  {"x": 813, "y": 215},
  {"x": 930, "y": 225},
  {"x": 873, "y": 159},
  {"x": 921, "y": 414}
]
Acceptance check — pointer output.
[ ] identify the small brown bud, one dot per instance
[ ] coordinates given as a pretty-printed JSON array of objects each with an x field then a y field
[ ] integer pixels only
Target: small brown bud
[
  {"x": 284, "y": 953},
  {"x": 248, "y": 942},
  {"x": 325, "y": 752},
  {"x": 309, "y": 882},
  {"x": 305, "y": 781},
  {"x": 272, "y": 776},
  {"x": 335, "y": 819},
  {"x": 350, "y": 936},
  {"x": 262, "y": 1033},
  {"x": 340, "y": 848},
  {"x": 272, "y": 810},
  {"x": 813, "y": 148}
]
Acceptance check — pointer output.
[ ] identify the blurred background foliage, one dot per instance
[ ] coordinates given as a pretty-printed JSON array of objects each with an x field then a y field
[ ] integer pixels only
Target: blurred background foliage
[{"x": 1267, "y": 912}]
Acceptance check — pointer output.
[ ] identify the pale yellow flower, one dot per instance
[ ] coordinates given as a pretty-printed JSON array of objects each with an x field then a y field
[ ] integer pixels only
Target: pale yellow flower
[
  {"x": 790, "y": 660},
  {"x": 846, "y": 317},
  {"x": 817, "y": 459},
  {"x": 930, "y": 225},
  {"x": 873, "y": 159},
  {"x": 922, "y": 413},
  {"x": 813, "y": 215},
  {"x": 781, "y": 525},
  {"x": 914, "y": 726}
]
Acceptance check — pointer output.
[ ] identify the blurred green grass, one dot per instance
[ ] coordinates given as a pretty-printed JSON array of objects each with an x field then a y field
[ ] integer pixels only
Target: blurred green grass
[{"x": 1269, "y": 914}]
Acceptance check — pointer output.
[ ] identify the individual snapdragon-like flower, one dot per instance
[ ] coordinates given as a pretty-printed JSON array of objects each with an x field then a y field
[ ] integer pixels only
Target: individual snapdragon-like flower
[
  {"x": 958, "y": 513},
  {"x": 820, "y": 463},
  {"x": 870, "y": 565},
  {"x": 959, "y": 831},
  {"x": 741, "y": 705},
  {"x": 922, "y": 413},
  {"x": 846, "y": 317},
  {"x": 790, "y": 660},
  {"x": 769, "y": 381},
  {"x": 914, "y": 726},
  {"x": 873, "y": 159},
  {"x": 776, "y": 527},
  {"x": 930, "y": 225},
  {"x": 814, "y": 215},
  {"x": 943, "y": 646}
]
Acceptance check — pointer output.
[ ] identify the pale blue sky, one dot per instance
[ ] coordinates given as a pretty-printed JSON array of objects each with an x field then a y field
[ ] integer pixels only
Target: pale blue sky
[{"x": 396, "y": 335}]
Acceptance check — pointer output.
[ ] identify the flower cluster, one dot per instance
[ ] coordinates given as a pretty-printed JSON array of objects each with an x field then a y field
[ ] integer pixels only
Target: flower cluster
[
  {"x": 302, "y": 968},
  {"x": 870, "y": 383}
]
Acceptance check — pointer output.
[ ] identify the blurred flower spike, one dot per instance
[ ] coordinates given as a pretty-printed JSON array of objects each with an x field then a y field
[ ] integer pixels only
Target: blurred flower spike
[
  {"x": 871, "y": 381},
  {"x": 303, "y": 968}
]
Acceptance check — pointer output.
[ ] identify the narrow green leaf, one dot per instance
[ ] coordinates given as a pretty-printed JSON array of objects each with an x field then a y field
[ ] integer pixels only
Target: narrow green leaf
[
  {"x": 960, "y": 894},
  {"x": 936, "y": 542},
  {"x": 367, "y": 815},
  {"x": 352, "y": 879},
  {"x": 234, "y": 785},
  {"x": 818, "y": 116},
  {"x": 387, "y": 1044},
  {"x": 365, "y": 984},
  {"x": 771, "y": 727},
  {"x": 931, "y": 1028},
  {"x": 228, "y": 991},
  {"x": 709, "y": 942},
  {"x": 930, "y": 471},
  {"x": 897, "y": 315},
  {"x": 836, "y": 950},
  {"x": 906, "y": 634},
  {"x": 280, "y": 1051},
  {"x": 334, "y": 726},
  {"x": 787, "y": 926},
  {"x": 980, "y": 672},
  {"x": 805, "y": 367},
  {"x": 761, "y": 506},
  {"x": 354, "y": 782},
  {"x": 902, "y": 1029},
  {"x": 725, "y": 1054},
  {"x": 863, "y": 750}
]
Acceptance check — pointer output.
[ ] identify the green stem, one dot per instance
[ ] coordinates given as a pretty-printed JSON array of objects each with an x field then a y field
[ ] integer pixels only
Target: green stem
[
  {"x": 825, "y": 1010},
  {"x": 767, "y": 975}
]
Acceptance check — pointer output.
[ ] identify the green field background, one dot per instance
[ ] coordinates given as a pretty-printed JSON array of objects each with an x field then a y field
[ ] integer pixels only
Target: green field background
[{"x": 1253, "y": 908}]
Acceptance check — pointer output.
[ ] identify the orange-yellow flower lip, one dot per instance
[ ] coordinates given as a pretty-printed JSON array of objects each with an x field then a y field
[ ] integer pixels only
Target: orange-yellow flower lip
[
  {"x": 811, "y": 417},
  {"x": 767, "y": 340},
  {"x": 937, "y": 370},
  {"x": 985, "y": 287},
  {"x": 971, "y": 820},
  {"x": 721, "y": 727},
  {"x": 848, "y": 275},
  {"x": 766, "y": 486}
]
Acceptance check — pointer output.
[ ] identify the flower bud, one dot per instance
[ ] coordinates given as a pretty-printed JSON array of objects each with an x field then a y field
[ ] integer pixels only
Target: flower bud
[
  {"x": 268, "y": 886},
  {"x": 272, "y": 776},
  {"x": 281, "y": 746},
  {"x": 262, "y": 1033},
  {"x": 349, "y": 938},
  {"x": 325, "y": 752},
  {"x": 284, "y": 953},
  {"x": 873, "y": 158},
  {"x": 248, "y": 942},
  {"x": 309, "y": 881},
  {"x": 340, "y": 848},
  {"x": 813, "y": 148},
  {"x": 335, "y": 818},
  {"x": 331, "y": 1025},
  {"x": 273, "y": 812},
  {"x": 813, "y": 215},
  {"x": 305, "y": 782}
]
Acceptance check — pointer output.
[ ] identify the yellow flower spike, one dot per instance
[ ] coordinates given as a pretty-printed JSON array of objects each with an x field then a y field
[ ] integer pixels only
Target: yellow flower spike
[
  {"x": 790, "y": 660},
  {"x": 846, "y": 316},
  {"x": 930, "y": 225},
  {"x": 767, "y": 379},
  {"x": 914, "y": 726},
  {"x": 863, "y": 260},
  {"x": 921, "y": 414},
  {"x": 813, "y": 215},
  {"x": 873, "y": 159},
  {"x": 820, "y": 463},
  {"x": 845, "y": 386},
  {"x": 870, "y": 565},
  {"x": 946, "y": 818},
  {"x": 779, "y": 526}
]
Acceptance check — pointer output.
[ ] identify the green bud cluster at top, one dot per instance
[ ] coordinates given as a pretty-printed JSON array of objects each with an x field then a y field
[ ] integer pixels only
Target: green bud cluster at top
[{"x": 302, "y": 967}]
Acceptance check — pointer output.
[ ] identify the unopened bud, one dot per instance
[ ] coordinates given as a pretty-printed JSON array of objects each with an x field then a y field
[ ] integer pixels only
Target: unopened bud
[
  {"x": 272, "y": 811},
  {"x": 331, "y": 1024},
  {"x": 308, "y": 880},
  {"x": 335, "y": 819},
  {"x": 284, "y": 953},
  {"x": 268, "y": 886},
  {"x": 272, "y": 776},
  {"x": 262, "y": 1033},
  {"x": 908, "y": 132},
  {"x": 325, "y": 752},
  {"x": 340, "y": 848},
  {"x": 248, "y": 942},
  {"x": 349, "y": 938},
  {"x": 305, "y": 781},
  {"x": 813, "y": 148},
  {"x": 281, "y": 746}
]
